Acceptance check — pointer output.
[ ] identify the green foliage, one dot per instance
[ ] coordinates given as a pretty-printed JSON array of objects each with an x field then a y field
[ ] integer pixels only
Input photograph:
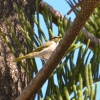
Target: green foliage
[
  {"x": 75, "y": 75},
  {"x": 93, "y": 24}
]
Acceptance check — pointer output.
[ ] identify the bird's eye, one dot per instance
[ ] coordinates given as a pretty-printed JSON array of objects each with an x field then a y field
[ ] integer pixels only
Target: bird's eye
[{"x": 55, "y": 37}]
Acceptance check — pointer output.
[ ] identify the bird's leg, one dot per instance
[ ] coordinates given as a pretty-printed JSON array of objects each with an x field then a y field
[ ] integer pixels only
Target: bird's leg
[{"x": 43, "y": 62}]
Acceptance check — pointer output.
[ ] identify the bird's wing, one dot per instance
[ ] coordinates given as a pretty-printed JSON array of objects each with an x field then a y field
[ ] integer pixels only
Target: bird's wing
[{"x": 48, "y": 43}]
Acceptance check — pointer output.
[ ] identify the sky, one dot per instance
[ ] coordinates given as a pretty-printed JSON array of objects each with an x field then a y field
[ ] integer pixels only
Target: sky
[{"x": 63, "y": 8}]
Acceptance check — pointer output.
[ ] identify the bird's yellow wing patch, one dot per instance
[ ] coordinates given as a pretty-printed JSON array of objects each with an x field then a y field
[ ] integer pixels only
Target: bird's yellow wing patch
[{"x": 48, "y": 43}]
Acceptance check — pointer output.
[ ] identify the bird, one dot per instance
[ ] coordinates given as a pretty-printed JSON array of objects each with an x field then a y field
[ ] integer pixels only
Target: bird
[{"x": 43, "y": 52}]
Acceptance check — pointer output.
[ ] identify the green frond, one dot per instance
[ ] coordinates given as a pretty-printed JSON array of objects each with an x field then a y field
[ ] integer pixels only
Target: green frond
[
  {"x": 78, "y": 70},
  {"x": 93, "y": 24}
]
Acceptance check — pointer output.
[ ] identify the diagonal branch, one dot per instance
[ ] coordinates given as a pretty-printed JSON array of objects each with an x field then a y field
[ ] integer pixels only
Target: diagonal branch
[
  {"x": 55, "y": 14},
  {"x": 35, "y": 85}
]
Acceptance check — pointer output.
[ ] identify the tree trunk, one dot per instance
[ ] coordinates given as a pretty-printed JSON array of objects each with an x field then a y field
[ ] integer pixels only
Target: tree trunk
[{"x": 13, "y": 79}]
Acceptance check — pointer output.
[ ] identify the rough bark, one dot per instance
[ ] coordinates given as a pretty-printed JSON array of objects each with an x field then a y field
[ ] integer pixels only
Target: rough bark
[{"x": 13, "y": 79}]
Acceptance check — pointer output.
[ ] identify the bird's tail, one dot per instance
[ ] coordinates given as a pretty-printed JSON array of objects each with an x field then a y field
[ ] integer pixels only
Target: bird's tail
[{"x": 20, "y": 58}]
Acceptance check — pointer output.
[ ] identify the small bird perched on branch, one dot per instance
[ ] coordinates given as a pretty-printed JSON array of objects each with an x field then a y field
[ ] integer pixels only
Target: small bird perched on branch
[{"x": 44, "y": 51}]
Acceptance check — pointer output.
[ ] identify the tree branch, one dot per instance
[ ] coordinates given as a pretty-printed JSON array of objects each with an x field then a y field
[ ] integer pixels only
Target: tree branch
[
  {"x": 35, "y": 85},
  {"x": 55, "y": 14}
]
